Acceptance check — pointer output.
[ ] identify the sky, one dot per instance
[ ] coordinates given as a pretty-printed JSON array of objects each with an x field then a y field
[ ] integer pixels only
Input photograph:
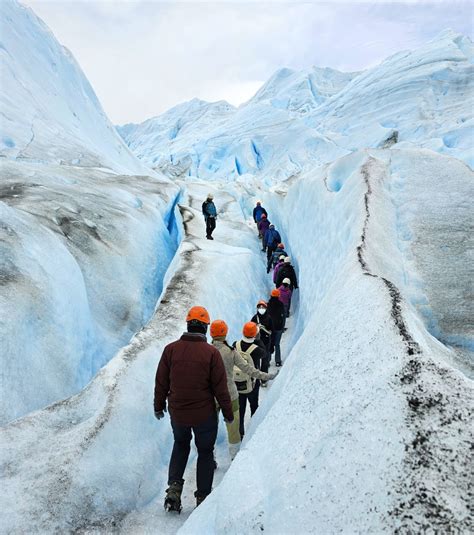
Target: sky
[{"x": 144, "y": 57}]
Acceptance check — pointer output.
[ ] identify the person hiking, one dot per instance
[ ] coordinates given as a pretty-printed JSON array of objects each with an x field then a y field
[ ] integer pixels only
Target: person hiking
[
  {"x": 264, "y": 321},
  {"x": 278, "y": 266},
  {"x": 233, "y": 359},
  {"x": 285, "y": 295},
  {"x": 190, "y": 376},
  {"x": 248, "y": 347},
  {"x": 276, "y": 311},
  {"x": 271, "y": 240},
  {"x": 263, "y": 226},
  {"x": 210, "y": 215},
  {"x": 287, "y": 271},
  {"x": 258, "y": 211},
  {"x": 279, "y": 251}
]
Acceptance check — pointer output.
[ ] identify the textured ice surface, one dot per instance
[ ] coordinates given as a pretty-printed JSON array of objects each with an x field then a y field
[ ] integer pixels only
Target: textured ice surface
[{"x": 83, "y": 256}]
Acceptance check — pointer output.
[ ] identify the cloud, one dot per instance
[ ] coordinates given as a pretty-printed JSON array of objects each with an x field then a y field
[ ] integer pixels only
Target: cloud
[{"x": 143, "y": 57}]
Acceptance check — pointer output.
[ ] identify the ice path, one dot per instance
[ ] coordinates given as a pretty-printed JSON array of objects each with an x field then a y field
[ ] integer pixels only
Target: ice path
[{"x": 84, "y": 463}]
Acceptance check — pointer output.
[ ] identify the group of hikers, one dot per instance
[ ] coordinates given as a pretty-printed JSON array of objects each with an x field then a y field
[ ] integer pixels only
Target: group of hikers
[{"x": 195, "y": 379}]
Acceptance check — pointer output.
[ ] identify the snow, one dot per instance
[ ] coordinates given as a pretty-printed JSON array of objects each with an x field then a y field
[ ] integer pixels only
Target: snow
[
  {"x": 46, "y": 96},
  {"x": 85, "y": 244},
  {"x": 368, "y": 178},
  {"x": 419, "y": 98},
  {"x": 83, "y": 258}
]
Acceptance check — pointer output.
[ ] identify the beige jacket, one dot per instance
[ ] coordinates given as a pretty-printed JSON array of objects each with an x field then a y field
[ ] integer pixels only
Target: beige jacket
[{"x": 233, "y": 358}]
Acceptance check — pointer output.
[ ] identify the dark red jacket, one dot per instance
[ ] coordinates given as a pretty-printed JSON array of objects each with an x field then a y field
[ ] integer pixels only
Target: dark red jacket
[{"x": 191, "y": 374}]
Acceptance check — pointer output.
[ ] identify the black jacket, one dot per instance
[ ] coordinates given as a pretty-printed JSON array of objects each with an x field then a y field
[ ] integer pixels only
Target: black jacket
[
  {"x": 287, "y": 271},
  {"x": 266, "y": 322},
  {"x": 277, "y": 313}
]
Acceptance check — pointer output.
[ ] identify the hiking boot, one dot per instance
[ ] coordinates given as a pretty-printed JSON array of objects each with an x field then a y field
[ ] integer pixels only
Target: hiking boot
[
  {"x": 199, "y": 499},
  {"x": 278, "y": 364},
  {"x": 263, "y": 384},
  {"x": 173, "y": 496}
]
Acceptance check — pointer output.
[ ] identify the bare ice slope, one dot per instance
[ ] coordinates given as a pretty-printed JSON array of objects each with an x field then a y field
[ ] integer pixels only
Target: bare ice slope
[
  {"x": 45, "y": 96},
  {"x": 84, "y": 243}
]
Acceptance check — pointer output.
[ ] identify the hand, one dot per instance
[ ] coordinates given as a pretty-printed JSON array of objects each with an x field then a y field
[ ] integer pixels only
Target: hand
[{"x": 160, "y": 414}]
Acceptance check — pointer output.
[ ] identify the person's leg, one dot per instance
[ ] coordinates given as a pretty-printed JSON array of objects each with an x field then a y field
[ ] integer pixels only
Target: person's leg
[
  {"x": 242, "y": 407},
  {"x": 270, "y": 251},
  {"x": 208, "y": 223},
  {"x": 253, "y": 398},
  {"x": 277, "y": 340},
  {"x": 205, "y": 435},
  {"x": 212, "y": 225},
  {"x": 233, "y": 430},
  {"x": 180, "y": 454},
  {"x": 265, "y": 362}
]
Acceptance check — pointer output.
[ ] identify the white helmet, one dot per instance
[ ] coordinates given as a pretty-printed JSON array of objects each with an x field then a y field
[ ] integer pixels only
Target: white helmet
[
  {"x": 286, "y": 281},
  {"x": 210, "y": 196}
]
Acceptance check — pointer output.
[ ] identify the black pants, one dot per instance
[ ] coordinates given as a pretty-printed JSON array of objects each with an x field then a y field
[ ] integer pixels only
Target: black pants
[
  {"x": 210, "y": 226},
  {"x": 270, "y": 251},
  {"x": 204, "y": 437},
  {"x": 252, "y": 398}
]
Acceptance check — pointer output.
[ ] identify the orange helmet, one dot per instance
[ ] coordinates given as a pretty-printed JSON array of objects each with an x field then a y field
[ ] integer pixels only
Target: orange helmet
[
  {"x": 262, "y": 303},
  {"x": 219, "y": 328},
  {"x": 250, "y": 330},
  {"x": 264, "y": 216},
  {"x": 198, "y": 314},
  {"x": 275, "y": 293},
  {"x": 281, "y": 246}
]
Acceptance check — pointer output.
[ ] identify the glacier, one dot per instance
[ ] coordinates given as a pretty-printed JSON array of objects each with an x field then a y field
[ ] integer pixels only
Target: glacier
[
  {"x": 369, "y": 178},
  {"x": 86, "y": 229}
]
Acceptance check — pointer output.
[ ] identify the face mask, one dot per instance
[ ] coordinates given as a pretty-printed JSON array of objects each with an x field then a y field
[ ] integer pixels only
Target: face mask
[{"x": 261, "y": 310}]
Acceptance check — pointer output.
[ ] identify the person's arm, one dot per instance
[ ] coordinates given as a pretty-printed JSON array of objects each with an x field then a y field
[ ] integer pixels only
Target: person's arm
[
  {"x": 255, "y": 214},
  {"x": 162, "y": 382},
  {"x": 250, "y": 369},
  {"x": 219, "y": 385}
]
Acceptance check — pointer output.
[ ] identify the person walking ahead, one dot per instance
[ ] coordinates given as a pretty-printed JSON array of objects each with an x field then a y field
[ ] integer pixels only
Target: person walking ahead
[
  {"x": 190, "y": 376},
  {"x": 210, "y": 215},
  {"x": 271, "y": 240},
  {"x": 276, "y": 311},
  {"x": 249, "y": 347},
  {"x": 258, "y": 211},
  {"x": 287, "y": 271},
  {"x": 233, "y": 359},
  {"x": 263, "y": 225}
]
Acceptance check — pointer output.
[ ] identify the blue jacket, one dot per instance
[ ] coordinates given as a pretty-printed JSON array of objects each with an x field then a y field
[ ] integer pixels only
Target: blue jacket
[
  {"x": 209, "y": 209},
  {"x": 258, "y": 211},
  {"x": 272, "y": 238}
]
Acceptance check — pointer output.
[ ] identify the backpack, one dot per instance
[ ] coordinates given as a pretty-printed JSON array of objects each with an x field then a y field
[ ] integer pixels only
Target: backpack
[{"x": 244, "y": 382}]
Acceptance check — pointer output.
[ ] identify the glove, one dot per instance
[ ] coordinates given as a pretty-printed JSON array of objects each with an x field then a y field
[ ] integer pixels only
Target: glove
[
  {"x": 160, "y": 414},
  {"x": 273, "y": 374}
]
